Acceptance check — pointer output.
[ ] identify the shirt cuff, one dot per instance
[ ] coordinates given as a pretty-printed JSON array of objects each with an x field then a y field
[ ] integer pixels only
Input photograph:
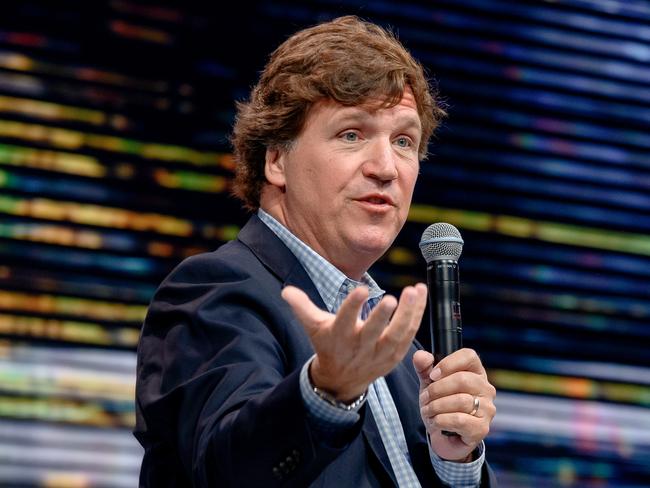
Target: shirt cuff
[
  {"x": 459, "y": 475},
  {"x": 325, "y": 417}
]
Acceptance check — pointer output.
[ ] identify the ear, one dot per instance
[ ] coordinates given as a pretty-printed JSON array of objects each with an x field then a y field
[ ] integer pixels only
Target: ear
[{"x": 274, "y": 167}]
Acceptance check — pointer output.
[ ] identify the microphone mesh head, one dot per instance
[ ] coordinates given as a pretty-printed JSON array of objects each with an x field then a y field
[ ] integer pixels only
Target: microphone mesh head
[{"x": 441, "y": 241}]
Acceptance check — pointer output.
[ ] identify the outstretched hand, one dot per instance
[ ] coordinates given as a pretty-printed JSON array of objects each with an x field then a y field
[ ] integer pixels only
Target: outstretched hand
[{"x": 351, "y": 353}]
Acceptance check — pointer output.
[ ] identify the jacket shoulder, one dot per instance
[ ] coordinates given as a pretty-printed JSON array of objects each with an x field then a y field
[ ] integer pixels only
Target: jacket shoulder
[{"x": 231, "y": 261}]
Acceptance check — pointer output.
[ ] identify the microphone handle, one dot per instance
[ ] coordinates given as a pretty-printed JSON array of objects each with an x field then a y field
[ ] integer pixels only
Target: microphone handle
[{"x": 444, "y": 310}]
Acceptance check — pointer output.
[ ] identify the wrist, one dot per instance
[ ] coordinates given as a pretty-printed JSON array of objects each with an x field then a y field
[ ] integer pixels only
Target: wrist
[
  {"x": 449, "y": 455},
  {"x": 348, "y": 406},
  {"x": 467, "y": 459},
  {"x": 331, "y": 393}
]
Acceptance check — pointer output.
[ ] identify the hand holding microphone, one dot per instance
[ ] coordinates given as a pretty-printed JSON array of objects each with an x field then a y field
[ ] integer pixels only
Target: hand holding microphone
[{"x": 441, "y": 246}]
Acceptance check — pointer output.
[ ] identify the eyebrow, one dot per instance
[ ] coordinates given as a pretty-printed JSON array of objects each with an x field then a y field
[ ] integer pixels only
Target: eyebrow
[
  {"x": 358, "y": 114},
  {"x": 408, "y": 122}
]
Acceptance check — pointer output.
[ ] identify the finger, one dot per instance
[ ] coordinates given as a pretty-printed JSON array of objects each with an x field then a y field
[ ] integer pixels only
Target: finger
[
  {"x": 459, "y": 403},
  {"x": 347, "y": 316},
  {"x": 395, "y": 339},
  {"x": 462, "y": 360},
  {"x": 378, "y": 320},
  {"x": 423, "y": 362},
  {"x": 417, "y": 311},
  {"x": 420, "y": 304},
  {"x": 309, "y": 315},
  {"x": 398, "y": 336},
  {"x": 471, "y": 429},
  {"x": 398, "y": 328},
  {"x": 461, "y": 382},
  {"x": 414, "y": 304}
]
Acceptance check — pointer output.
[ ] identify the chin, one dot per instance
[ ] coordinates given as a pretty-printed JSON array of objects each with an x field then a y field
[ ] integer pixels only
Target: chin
[{"x": 375, "y": 242}]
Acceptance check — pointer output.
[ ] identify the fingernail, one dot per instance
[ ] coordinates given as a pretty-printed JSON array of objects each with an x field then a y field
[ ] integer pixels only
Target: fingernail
[
  {"x": 424, "y": 397},
  {"x": 435, "y": 374}
]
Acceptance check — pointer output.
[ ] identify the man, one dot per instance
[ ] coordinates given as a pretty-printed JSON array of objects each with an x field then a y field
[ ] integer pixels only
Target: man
[{"x": 275, "y": 361}]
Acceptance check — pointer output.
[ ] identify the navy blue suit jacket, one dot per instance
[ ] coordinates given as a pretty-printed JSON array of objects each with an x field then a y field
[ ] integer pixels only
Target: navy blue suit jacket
[{"x": 218, "y": 399}]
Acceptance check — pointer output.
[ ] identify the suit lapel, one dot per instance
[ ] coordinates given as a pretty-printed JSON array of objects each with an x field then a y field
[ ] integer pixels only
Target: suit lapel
[
  {"x": 277, "y": 257},
  {"x": 404, "y": 388},
  {"x": 373, "y": 438}
]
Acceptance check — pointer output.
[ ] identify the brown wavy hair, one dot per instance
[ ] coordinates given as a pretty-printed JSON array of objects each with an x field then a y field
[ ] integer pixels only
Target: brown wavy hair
[{"x": 347, "y": 60}]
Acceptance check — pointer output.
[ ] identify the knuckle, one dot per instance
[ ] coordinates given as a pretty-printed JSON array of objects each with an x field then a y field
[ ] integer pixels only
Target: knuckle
[
  {"x": 474, "y": 360},
  {"x": 479, "y": 433},
  {"x": 435, "y": 407},
  {"x": 429, "y": 411},
  {"x": 459, "y": 420},
  {"x": 424, "y": 412},
  {"x": 390, "y": 341},
  {"x": 464, "y": 381},
  {"x": 471, "y": 352},
  {"x": 492, "y": 410},
  {"x": 432, "y": 388},
  {"x": 433, "y": 391}
]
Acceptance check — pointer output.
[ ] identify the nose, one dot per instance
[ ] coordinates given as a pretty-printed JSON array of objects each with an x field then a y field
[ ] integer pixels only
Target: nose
[{"x": 380, "y": 163}]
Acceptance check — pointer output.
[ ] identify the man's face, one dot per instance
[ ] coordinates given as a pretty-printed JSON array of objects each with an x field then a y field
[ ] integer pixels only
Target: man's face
[{"x": 348, "y": 180}]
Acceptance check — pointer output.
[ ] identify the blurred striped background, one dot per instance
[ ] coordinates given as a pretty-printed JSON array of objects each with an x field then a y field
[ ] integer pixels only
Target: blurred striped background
[{"x": 115, "y": 165}]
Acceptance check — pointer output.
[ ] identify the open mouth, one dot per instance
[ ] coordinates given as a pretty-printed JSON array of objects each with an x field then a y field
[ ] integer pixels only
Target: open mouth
[
  {"x": 375, "y": 200},
  {"x": 379, "y": 200}
]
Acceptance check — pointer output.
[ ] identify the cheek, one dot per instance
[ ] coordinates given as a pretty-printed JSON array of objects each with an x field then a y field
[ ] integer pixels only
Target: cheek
[{"x": 408, "y": 182}]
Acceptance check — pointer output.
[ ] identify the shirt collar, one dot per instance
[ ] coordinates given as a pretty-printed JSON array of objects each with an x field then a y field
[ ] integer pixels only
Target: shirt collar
[{"x": 330, "y": 282}]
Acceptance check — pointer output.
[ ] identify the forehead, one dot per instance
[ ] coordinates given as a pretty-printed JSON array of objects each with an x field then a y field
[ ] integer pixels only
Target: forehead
[{"x": 404, "y": 112}]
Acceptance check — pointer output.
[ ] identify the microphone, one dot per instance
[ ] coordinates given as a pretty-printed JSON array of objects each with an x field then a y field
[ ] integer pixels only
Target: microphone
[{"x": 441, "y": 246}]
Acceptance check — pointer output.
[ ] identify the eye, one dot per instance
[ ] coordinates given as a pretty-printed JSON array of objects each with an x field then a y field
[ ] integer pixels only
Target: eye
[
  {"x": 403, "y": 142},
  {"x": 350, "y": 136}
]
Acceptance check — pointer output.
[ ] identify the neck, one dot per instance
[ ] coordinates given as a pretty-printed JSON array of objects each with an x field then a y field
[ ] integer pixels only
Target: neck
[{"x": 353, "y": 264}]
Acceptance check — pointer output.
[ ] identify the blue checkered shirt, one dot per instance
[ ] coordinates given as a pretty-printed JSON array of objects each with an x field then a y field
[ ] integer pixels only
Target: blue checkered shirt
[{"x": 333, "y": 287}]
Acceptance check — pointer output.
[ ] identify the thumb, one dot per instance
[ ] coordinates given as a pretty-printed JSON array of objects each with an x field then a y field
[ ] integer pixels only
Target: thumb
[
  {"x": 423, "y": 362},
  {"x": 308, "y": 314}
]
